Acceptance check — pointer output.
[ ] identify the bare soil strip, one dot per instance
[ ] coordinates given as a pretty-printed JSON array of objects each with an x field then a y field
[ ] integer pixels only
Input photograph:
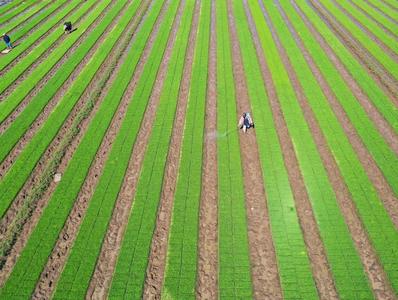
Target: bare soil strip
[
  {"x": 379, "y": 121},
  {"x": 370, "y": 34},
  {"x": 381, "y": 12},
  {"x": 157, "y": 258},
  {"x": 54, "y": 46},
  {"x": 385, "y": 29},
  {"x": 372, "y": 170},
  {"x": 316, "y": 251},
  {"x": 102, "y": 277},
  {"x": 57, "y": 159},
  {"x": 24, "y": 12},
  {"x": 207, "y": 280},
  {"x": 374, "y": 270},
  {"x": 375, "y": 69},
  {"x": 386, "y": 3},
  {"x": 50, "y": 275},
  {"x": 265, "y": 277},
  {"x": 41, "y": 119},
  {"x": 38, "y": 41}
]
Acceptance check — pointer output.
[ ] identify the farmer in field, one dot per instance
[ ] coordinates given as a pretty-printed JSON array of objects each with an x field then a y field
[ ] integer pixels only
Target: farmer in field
[
  {"x": 245, "y": 122},
  {"x": 68, "y": 27},
  {"x": 7, "y": 40}
]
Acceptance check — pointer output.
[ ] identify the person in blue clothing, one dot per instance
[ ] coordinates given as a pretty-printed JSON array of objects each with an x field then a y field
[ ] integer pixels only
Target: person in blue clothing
[
  {"x": 7, "y": 40},
  {"x": 245, "y": 122}
]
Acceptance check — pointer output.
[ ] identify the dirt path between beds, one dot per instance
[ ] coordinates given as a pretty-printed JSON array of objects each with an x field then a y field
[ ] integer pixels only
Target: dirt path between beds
[
  {"x": 381, "y": 12},
  {"x": 93, "y": 96},
  {"x": 207, "y": 278},
  {"x": 102, "y": 277},
  {"x": 265, "y": 276},
  {"x": 157, "y": 258},
  {"x": 384, "y": 78},
  {"x": 372, "y": 170},
  {"x": 375, "y": 272},
  {"x": 315, "y": 248}
]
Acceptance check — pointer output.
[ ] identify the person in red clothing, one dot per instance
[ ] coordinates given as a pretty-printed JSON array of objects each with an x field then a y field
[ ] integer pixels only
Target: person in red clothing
[{"x": 7, "y": 40}]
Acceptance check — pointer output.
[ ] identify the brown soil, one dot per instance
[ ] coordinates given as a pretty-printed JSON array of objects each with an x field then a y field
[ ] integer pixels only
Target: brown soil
[
  {"x": 376, "y": 274},
  {"x": 36, "y": 175},
  {"x": 384, "y": 79},
  {"x": 47, "y": 53},
  {"x": 95, "y": 93},
  {"x": 207, "y": 280},
  {"x": 37, "y": 42},
  {"x": 389, "y": 5},
  {"x": 101, "y": 279},
  {"x": 315, "y": 248},
  {"x": 385, "y": 29},
  {"x": 265, "y": 277},
  {"x": 370, "y": 34},
  {"x": 375, "y": 175},
  {"x": 60, "y": 253},
  {"x": 157, "y": 257}
]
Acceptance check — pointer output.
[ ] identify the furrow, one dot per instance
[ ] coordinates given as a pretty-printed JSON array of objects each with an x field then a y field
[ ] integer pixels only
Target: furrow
[
  {"x": 378, "y": 72},
  {"x": 57, "y": 259},
  {"x": 266, "y": 282},
  {"x": 392, "y": 7},
  {"x": 370, "y": 17},
  {"x": 19, "y": 14},
  {"x": 207, "y": 278},
  {"x": 371, "y": 34},
  {"x": 374, "y": 270},
  {"x": 316, "y": 249},
  {"x": 42, "y": 59},
  {"x": 48, "y": 109},
  {"x": 102, "y": 277},
  {"x": 12, "y": 62},
  {"x": 9, "y": 7},
  {"x": 33, "y": 197},
  {"x": 157, "y": 258},
  {"x": 375, "y": 175}
]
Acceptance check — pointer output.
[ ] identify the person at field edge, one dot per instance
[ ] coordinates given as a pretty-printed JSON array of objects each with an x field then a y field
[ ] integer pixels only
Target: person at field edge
[
  {"x": 7, "y": 40},
  {"x": 245, "y": 122},
  {"x": 68, "y": 27}
]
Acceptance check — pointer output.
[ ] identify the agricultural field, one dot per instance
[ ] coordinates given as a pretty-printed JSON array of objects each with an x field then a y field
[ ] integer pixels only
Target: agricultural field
[{"x": 124, "y": 175}]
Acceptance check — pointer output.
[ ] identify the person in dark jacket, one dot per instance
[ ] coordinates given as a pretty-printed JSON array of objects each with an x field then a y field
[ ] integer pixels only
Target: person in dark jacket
[
  {"x": 245, "y": 121},
  {"x": 68, "y": 27},
  {"x": 7, "y": 40}
]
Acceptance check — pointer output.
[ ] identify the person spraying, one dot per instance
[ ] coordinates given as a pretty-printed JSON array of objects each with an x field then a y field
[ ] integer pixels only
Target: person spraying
[
  {"x": 245, "y": 122},
  {"x": 7, "y": 40}
]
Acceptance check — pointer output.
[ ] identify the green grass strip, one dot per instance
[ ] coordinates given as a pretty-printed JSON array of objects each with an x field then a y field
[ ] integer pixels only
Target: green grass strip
[
  {"x": 385, "y": 8},
  {"x": 32, "y": 79},
  {"x": 350, "y": 279},
  {"x": 7, "y": 7},
  {"x": 234, "y": 259},
  {"x": 38, "y": 10},
  {"x": 130, "y": 272},
  {"x": 383, "y": 155},
  {"x": 11, "y": 14},
  {"x": 378, "y": 53},
  {"x": 181, "y": 268},
  {"x": 11, "y": 56},
  {"x": 26, "y": 161},
  {"x": 382, "y": 19},
  {"x": 378, "y": 224},
  {"x": 293, "y": 262},
  {"x": 370, "y": 25},
  {"x": 32, "y": 23},
  {"x": 78, "y": 270},
  {"x": 40, "y": 244}
]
